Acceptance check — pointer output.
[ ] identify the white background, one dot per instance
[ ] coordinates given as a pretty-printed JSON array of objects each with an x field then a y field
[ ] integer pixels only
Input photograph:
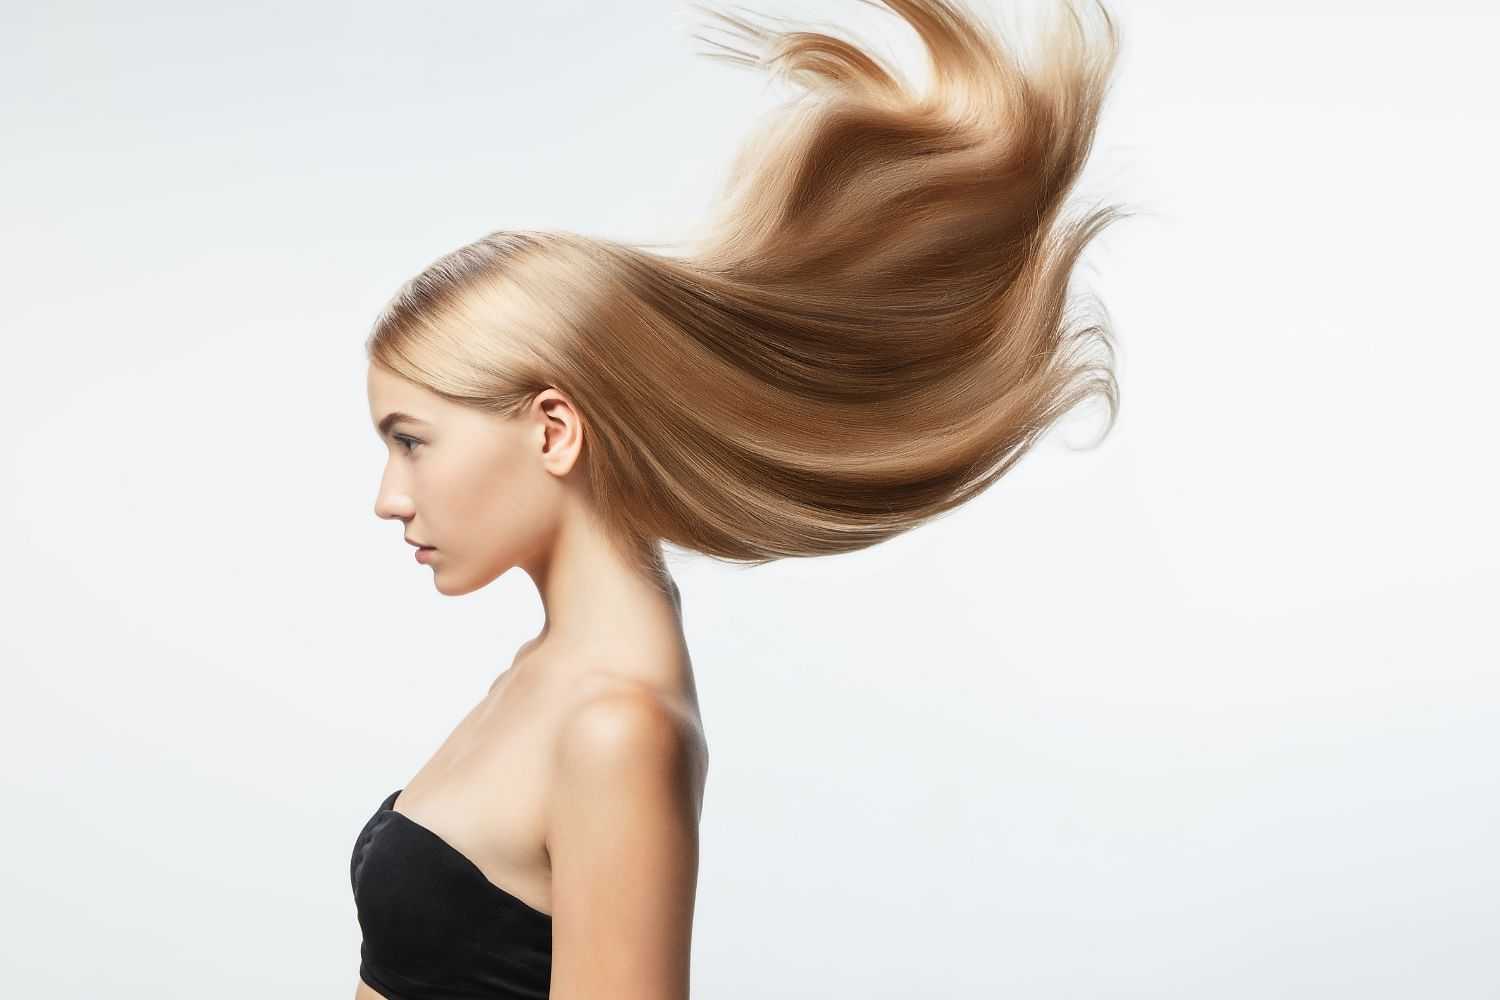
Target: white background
[{"x": 1208, "y": 712}]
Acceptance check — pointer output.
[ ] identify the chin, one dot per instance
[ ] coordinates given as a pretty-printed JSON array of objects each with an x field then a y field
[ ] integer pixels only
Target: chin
[
  {"x": 448, "y": 587},
  {"x": 451, "y": 585}
]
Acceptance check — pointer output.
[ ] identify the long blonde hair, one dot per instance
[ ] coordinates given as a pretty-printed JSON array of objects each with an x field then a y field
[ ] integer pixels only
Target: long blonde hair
[{"x": 874, "y": 327}]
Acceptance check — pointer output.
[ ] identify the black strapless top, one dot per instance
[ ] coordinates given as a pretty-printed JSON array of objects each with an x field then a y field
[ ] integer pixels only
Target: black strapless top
[{"x": 435, "y": 928}]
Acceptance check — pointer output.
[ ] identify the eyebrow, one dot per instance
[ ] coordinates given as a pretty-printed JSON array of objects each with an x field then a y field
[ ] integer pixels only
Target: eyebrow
[{"x": 394, "y": 417}]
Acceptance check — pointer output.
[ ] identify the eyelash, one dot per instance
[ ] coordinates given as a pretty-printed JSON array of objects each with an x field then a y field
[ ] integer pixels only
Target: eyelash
[{"x": 409, "y": 443}]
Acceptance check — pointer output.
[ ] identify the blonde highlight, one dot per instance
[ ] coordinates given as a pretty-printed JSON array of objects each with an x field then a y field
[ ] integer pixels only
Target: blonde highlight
[{"x": 874, "y": 326}]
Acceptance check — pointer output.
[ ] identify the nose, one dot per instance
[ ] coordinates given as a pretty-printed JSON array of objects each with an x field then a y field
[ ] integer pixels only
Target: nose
[{"x": 391, "y": 505}]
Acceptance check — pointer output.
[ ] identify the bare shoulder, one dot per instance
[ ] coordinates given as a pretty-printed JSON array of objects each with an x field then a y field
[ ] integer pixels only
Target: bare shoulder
[
  {"x": 623, "y": 730},
  {"x": 618, "y": 720},
  {"x": 622, "y": 841}
]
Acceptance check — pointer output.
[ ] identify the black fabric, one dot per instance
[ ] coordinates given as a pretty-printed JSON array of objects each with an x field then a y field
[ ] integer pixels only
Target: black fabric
[{"x": 435, "y": 928}]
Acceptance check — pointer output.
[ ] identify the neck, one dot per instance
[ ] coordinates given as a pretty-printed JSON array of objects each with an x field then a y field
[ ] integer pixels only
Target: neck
[{"x": 597, "y": 599}]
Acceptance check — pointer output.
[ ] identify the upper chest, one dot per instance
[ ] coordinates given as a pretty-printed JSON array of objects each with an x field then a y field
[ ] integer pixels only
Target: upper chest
[{"x": 483, "y": 790}]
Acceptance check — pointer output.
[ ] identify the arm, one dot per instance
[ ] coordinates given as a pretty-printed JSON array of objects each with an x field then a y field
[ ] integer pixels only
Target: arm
[{"x": 622, "y": 835}]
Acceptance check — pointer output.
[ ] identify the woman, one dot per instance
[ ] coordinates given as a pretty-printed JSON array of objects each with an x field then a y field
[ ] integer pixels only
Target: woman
[{"x": 872, "y": 331}]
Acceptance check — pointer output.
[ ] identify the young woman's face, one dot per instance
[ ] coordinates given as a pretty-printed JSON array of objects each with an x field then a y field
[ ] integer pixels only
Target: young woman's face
[{"x": 473, "y": 485}]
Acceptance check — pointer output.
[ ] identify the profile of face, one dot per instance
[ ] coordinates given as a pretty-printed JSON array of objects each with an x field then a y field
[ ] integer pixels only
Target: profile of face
[{"x": 486, "y": 492}]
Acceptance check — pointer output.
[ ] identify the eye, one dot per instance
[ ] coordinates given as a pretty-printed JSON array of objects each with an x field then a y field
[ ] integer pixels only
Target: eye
[{"x": 408, "y": 442}]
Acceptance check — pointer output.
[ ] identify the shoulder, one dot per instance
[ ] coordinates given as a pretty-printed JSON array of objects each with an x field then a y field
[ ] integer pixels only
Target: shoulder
[
  {"x": 624, "y": 725},
  {"x": 622, "y": 736},
  {"x": 622, "y": 842}
]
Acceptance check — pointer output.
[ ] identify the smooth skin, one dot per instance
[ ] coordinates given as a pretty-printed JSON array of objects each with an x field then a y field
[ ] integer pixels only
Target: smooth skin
[{"x": 576, "y": 783}]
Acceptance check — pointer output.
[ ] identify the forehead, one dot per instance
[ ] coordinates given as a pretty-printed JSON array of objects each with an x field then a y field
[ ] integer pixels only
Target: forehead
[{"x": 389, "y": 392}]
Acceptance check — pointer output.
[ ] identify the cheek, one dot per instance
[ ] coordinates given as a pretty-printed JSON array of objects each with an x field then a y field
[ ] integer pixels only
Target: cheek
[{"x": 507, "y": 507}]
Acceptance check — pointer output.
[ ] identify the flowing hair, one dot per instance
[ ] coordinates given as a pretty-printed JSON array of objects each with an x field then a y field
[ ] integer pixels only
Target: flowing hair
[{"x": 874, "y": 326}]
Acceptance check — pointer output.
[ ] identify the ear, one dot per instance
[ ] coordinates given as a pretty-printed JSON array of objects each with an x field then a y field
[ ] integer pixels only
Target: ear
[{"x": 560, "y": 431}]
